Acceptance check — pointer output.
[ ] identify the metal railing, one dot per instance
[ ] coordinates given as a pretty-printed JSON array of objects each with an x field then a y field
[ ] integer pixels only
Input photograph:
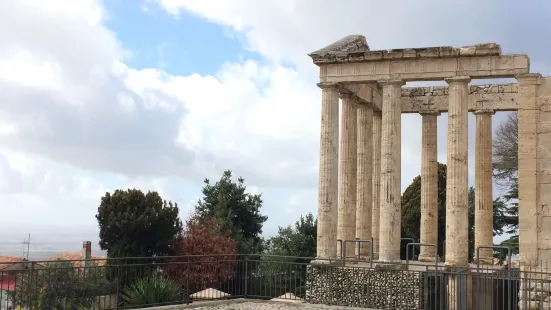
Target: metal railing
[
  {"x": 420, "y": 245},
  {"x": 117, "y": 283},
  {"x": 477, "y": 257},
  {"x": 412, "y": 241}
]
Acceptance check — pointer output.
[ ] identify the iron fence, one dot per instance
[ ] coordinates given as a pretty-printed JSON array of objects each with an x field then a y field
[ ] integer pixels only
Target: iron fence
[{"x": 123, "y": 283}]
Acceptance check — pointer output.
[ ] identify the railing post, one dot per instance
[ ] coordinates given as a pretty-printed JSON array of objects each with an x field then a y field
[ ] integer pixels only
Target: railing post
[
  {"x": 117, "y": 298},
  {"x": 246, "y": 275}
]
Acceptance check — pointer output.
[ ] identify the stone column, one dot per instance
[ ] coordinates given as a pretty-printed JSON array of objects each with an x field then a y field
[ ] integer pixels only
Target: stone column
[
  {"x": 328, "y": 173},
  {"x": 528, "y": 115},
  {"x": 457, "y": 224},
  {"x": 390, "y": 208},
  {"x": 347, "y": 175},
  {"x": 529, "y": 220},
  {"x": 376, "y": 192},
  {"x": 364, "y": 185},
  {"x": 483, "y": 212},
  {"x": 429, "y": 185}
]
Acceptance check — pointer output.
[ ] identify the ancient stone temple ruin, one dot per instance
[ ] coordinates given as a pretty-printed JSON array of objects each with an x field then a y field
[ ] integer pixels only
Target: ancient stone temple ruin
[{"x": 361, "y": 200}]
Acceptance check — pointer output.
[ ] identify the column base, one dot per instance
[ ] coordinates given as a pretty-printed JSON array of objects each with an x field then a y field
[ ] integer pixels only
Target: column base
[
  {"x": 428, "y": 259},
  {"x": 484, "y": 261}
]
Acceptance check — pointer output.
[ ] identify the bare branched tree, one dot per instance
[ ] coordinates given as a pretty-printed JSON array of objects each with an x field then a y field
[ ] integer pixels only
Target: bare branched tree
[{"x": 505, "y": 152}]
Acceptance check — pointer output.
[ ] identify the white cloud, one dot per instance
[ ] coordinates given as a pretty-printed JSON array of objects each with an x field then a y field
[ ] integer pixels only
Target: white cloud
[{"x": 76, "y": 120}]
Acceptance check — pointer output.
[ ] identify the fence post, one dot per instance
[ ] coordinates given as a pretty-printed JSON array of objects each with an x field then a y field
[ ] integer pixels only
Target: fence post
[
  {"x": 117, "y": 298},
  {"x": 246, "y": 275}
]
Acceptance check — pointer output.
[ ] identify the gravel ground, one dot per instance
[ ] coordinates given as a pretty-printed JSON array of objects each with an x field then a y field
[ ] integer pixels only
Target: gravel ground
[{"x": 268, "y": 306}]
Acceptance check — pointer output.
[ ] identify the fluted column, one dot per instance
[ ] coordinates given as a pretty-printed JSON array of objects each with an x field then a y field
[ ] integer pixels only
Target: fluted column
[
  {"x": 347, "y": 175},
  {"x": 328, "y": 174},
  {"x": 376, "y": 192},
  {"x": 457, "y": 224},
  {"x": 429, "y": 185},
  {"x": 364, "y": 176},
  {"x": 390, "y": 210},
  {"x": 483, "y": 212}
]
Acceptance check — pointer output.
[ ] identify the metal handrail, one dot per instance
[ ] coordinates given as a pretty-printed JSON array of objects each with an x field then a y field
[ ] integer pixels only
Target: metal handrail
[
  {"x": 412, "y": 241},
  {"x": 508, "y": 248},
  {"x": 358, "y": 241},
  {"x": 420, "y": 245}
]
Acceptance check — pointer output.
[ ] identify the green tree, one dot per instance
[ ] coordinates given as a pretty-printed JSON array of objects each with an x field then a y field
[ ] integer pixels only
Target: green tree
[
  {"x": 298, "y": 241},
  {"x": 411, "y": 211},
  {"x": 283, "y": 268},
  {"x": 134, "y": 224},
  {"x": 505, "y": 218},
  {"x": 238, "y": 210}
]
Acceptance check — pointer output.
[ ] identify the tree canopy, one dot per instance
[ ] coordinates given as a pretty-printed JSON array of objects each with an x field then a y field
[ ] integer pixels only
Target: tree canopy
[
  {"x": 505, "y": 150},
  {"x": 297, "y": 241},
  {"x": 238, "y": 211},
  {"x": 209, "y": 266},
  {"x": 505, "y": 217},
  {"x": 134, "y": 224}
]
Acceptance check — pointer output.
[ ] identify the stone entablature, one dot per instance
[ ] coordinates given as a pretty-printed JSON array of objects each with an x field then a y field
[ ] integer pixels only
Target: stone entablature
[
  {"x": 355, "y": 49},
  {"x": 477, "y": 67},
  {"x": 497, "y": 97}
]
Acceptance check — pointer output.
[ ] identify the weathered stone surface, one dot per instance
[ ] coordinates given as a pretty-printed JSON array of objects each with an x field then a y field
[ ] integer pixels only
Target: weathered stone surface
[
  {"x": 390, "y": 193},
  {"x": 328, "y": 174},
  {"x": 425, "y": 69},
  {"x": 346, "y": 222},
  {"x": 429, "y": 185},
  {"x": 362, "y": 287},
  {"x": 457, "y": 226},
  {"x": 354, "y": 48},
  {"x": 483, "y": 212},
  {"x": 364, "y": 176},
  {"x": 376, "y": 193}
]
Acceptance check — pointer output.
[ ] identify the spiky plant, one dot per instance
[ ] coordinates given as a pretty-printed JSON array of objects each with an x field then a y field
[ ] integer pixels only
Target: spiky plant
[{"x": 153, "y": 291}]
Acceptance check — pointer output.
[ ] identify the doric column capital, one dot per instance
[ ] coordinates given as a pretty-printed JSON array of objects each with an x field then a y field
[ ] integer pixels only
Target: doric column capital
[
  {"x": 458, "y": 80},
  {"x": 383, "y": 83},
  {"x": 329, "y": 85},
  {"x": 484, "y": 112},
  {"x": 429, "y": 112},
  {"x": 529, "y": 78}
]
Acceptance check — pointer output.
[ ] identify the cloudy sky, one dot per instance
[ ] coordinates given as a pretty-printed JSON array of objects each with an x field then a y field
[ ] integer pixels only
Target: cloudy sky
[{"x": 159, "y": 94}]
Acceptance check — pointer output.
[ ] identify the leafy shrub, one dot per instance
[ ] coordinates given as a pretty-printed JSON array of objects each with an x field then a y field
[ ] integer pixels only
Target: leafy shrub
[
  {"x": 205, "y": 256},
  {"x": 153, "y": 290},
  {"x": 59, "y": 285}
]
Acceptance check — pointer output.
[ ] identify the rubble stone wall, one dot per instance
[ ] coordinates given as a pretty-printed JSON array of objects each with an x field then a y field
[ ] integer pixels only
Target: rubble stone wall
[{"x": 363, "y": 287}]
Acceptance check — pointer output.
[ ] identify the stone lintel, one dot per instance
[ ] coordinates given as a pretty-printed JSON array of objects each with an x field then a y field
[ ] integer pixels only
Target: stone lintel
[
  {"x": 354, "y": 48},
  {"x": 497, "y": 97},
  {"x": 367, "y": 93},
  {"x": 426, "y": 69},
  {"x": 423, "y": 100}
]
